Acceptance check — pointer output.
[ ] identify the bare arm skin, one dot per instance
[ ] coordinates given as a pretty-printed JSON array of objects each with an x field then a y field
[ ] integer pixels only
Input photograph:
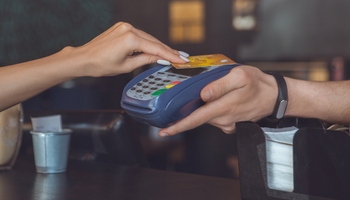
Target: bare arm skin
[
  {"x": 328, "y": 101},
  {"x": 247, "y": 94},
  {"x": 108, "y": 54}
]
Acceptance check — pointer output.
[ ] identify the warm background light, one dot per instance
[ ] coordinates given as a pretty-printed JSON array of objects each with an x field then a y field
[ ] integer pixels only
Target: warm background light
[{"x": 186, "y": 21}]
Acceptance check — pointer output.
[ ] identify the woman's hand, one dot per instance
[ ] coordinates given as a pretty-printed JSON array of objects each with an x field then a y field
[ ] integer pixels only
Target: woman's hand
[
  {"x": 246, "y": 93},
  {"x": 111, "y": 53}
]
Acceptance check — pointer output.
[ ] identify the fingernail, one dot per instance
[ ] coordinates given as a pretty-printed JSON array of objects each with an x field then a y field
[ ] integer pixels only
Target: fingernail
[
  {"x": 207, "y": 95},
  {"x": 163, "y": 62},
  {"x": 185, "y": 59},
  {"x": 184, "y": 53},
  {"x": 163, "y": 134}
]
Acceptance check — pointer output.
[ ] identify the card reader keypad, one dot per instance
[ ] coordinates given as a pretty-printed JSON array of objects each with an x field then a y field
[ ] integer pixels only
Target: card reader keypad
[{"x": 154, "y": 85}]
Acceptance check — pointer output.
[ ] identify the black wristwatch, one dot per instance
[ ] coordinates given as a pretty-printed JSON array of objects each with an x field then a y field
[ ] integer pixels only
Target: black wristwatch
[{"x": 282, "y": 99}]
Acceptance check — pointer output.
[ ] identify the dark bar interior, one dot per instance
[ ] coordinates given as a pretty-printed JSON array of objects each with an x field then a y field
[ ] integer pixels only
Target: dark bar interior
[{"x": 307, "y": 40}]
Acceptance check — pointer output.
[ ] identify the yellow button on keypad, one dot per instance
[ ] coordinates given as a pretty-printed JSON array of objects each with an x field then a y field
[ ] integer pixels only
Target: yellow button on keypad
[{"x": 168, "y": 86}]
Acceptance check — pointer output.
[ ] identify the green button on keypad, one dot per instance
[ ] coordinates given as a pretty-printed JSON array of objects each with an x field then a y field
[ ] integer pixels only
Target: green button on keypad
[{"x": 158, "y": 92}]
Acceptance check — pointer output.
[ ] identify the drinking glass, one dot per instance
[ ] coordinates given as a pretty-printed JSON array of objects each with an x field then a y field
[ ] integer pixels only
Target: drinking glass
[{"x": 11, "y": 122}]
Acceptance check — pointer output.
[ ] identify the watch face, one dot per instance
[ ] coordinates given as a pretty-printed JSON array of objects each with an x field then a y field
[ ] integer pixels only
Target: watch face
[{"x": 281, "y": 109}]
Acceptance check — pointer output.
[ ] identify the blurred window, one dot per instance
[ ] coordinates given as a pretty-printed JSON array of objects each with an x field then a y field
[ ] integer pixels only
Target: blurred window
[
  {"x": 187, "y": 21},
  {"x": 244, "y": 14}
]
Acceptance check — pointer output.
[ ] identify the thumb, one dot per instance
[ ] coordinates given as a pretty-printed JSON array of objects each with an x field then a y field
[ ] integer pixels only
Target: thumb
[{"x": 220, "y": 87}]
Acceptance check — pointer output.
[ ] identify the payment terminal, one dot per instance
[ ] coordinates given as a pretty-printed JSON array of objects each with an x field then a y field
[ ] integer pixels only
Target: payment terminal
[{"x": 164, "y": 94}]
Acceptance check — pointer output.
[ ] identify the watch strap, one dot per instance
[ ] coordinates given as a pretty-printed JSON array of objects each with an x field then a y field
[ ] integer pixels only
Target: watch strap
[{"x": 282, "y": 99}]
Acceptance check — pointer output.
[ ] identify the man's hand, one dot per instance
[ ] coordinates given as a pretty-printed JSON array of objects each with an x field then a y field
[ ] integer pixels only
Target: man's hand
[{"x": 246, "y": 93}]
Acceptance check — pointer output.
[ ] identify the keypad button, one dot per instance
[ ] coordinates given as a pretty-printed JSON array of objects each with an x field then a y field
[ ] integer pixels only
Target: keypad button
[
  {"x": 176, "y": 82},
  {"x": 133, "y": 89},
  {"x": 166, "y": 81},
  {"x": 158, "y": 79},
  {"x": 152, "y": 83},
  {"x": 145, "y": 80},
  {"x": 138, "y": 91},
  {"x": 151, "y": 77},
  {"x": 183, "y": 77},
  {"x": 139, "y": 84},
  {"x": 172, "y": 76},
  {"x": 147, "y": 93},
  {"x": 160, "y": 84},
  {"x": 158, "y": 92},
  {"x": 145, "y": 86},
  {"x": 169, "y": 86},
  {"x": 161, "y": 74},
  {"x": 154, "y": 88}
]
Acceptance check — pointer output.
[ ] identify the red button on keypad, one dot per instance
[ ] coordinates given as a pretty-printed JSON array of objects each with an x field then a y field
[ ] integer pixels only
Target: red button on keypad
[{"x": 176, "y": 82}]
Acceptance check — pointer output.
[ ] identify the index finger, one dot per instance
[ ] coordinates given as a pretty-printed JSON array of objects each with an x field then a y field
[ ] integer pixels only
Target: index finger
[
  {"x": 195, "y": 119},
  {"x": 155, "y": 48}
]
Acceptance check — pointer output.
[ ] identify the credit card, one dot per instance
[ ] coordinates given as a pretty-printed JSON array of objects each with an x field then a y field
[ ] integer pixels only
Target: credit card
[{"x": 205, "y": 61}]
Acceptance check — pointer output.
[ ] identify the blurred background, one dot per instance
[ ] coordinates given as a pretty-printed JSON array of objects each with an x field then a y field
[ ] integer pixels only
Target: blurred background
[{"x": 304, "y": 39}]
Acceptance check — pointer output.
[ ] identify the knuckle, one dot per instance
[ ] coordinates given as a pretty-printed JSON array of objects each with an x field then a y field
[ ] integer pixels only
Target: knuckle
[
  {"x": 224, "y": 122},
  {"x": 68, "y": 48},
  {"x": 125, "y": 26},
  {"x": 159, "y": 47},
  {"x": 224, "y": 87},
  {"x": 151, "y": 59},
  {"x": 118, "y": 24},
  {"x": 241, "y": 73},
  {"x": 228, "y": 130},
  {"x": 129, "y": 38},
  {"x": 244, "y": 75},
  {"x": 220, "y": 88}
]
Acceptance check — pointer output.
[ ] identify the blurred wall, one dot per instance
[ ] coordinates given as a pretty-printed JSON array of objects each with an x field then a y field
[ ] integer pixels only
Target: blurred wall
[
  {"x": 300, "y": 30},
  {"x": 38, "y": 28}
]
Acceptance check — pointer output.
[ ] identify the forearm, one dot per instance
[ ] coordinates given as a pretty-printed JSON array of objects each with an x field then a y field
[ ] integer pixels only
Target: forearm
[
  {"x": 328, "y": 101},
  {"x": 22, "y": 81},
  {"x": 109, "y": 54}
]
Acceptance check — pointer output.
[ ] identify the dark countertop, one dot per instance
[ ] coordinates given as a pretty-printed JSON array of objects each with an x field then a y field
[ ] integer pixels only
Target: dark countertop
[{"x": 88, "y": 180}]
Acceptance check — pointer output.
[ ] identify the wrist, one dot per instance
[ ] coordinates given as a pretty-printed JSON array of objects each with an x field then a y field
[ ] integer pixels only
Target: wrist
[
  {"x": 282, "y": 97},
  {"x": 74, "y": 63},
  {"x": 56, "y": 68},
  {"x": 269, "y": 93}
]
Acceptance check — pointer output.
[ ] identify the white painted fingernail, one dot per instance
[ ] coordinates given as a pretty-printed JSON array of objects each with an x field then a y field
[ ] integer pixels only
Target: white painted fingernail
[
  {"x": 185, "y": 59},
  {"x": 184, "y": 53},
  {"x": 163, "y": 62}
]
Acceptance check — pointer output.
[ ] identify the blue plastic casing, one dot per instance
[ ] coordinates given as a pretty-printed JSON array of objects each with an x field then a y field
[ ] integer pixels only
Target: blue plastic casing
[{"x": 173, "y": 104}]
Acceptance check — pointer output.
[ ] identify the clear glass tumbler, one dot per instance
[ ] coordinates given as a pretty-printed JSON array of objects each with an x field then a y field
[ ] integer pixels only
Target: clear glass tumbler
[{"x": 11, "y": 122}]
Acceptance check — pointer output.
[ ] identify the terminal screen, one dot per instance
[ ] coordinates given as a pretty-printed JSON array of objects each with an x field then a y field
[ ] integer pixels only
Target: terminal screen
[{"x": 188, "y": 72}]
